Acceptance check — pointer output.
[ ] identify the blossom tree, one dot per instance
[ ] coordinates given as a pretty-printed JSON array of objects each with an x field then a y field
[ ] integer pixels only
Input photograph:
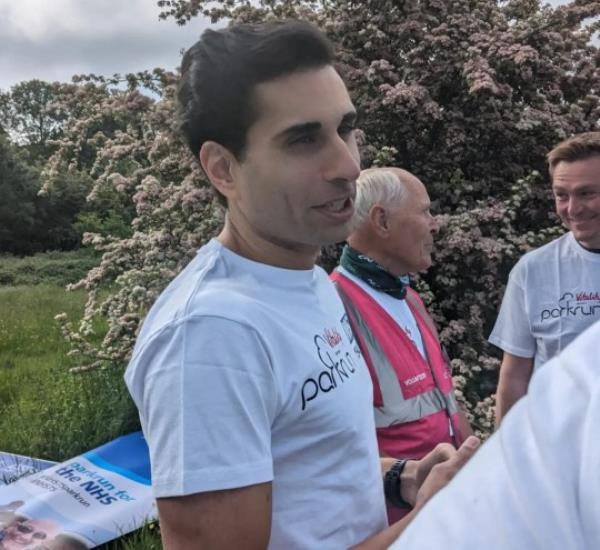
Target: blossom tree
[
  {"x": 467, "y": 94},
  {"x": 125, "y": 139}
]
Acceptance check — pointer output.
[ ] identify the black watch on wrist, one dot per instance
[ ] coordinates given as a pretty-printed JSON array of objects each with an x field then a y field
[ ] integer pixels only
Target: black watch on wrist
[{"x": 391, "y": 485}]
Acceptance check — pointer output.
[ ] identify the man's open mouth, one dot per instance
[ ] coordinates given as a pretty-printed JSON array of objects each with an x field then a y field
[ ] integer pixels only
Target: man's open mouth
[{"x": 337, "y": 206}]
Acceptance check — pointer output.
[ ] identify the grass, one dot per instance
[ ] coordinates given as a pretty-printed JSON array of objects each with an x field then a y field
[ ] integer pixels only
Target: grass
[
  {"x": 56, "y": 267},
  {"x": 46, "y": 411}
]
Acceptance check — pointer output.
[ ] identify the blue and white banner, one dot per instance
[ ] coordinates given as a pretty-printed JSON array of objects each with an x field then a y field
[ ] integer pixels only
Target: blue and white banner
[{"x": 82, "y": 502}]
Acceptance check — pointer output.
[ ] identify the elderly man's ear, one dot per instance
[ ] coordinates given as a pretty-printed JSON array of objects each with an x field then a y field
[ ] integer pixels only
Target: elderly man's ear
[{"x": 378, "y": 219}]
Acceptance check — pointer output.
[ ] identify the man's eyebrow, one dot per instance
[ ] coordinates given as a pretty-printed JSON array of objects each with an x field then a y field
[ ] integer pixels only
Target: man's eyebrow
[
  {"x": 298, "y": 129},
  {"x": 588, "y": 187},
  {"x": 311, "y": 127},
  {"x": 349, "y": 118},
  {"x": 583, "y": 188}
]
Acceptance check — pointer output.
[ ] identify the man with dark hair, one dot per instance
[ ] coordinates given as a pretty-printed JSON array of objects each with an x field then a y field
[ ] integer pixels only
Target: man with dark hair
[
  {"x": 253, "y": 395},
  {"x": 553, "y": 293},
  {"x": 216, "y": 93}
]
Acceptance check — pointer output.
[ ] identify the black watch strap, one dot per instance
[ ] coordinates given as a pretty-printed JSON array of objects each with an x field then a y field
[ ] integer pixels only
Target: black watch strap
[{"x": 391, "y": 484}]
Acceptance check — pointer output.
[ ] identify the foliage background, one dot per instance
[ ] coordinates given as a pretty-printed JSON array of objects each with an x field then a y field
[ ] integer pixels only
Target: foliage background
[{"x": 467, "y": 94}]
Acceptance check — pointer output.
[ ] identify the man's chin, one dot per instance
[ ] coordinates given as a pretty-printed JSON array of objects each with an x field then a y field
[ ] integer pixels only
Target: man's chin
[
  {"x": 334, "y": 237},
  {"x": 426, "y": 264},
  {"x": 587, "y": 240}
]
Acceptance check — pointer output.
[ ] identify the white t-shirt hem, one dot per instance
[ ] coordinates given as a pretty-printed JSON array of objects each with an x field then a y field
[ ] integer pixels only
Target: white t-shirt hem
[
  {"x": 513, "y": 350},
  {"x": 214, "y": 479}
]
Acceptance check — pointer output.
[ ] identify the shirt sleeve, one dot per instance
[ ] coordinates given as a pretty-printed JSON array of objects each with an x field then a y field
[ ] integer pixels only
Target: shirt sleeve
[
  {"x": 534, "y": 483},
  {"x": 512, "y": 331},
  {"x": 207, "y": 397}
]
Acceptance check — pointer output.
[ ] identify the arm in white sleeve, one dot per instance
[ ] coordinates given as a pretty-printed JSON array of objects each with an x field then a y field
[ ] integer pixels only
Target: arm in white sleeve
[
  {"x": 512, "y": 331},
  {"x": 207, "y": 397},
  {"x": 536, "y": 483}
]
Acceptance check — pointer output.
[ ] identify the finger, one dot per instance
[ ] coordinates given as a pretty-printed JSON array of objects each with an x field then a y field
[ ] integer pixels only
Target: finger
[
  {"x": 443, "y": 472},
  {"x": 472, "y": 442},
  {"x": 441, "y": 453},
  {"x": 466, "y": 451},
  {"x": 448, "y": 468}
]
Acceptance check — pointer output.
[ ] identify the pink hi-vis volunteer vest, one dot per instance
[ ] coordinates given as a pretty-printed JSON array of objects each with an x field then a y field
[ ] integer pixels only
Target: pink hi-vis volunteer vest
[{"x": 415, "y": 407}]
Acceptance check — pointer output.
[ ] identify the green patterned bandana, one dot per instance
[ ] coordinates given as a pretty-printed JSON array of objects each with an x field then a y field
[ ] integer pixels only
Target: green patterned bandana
[{"x": 369, "y": 271}]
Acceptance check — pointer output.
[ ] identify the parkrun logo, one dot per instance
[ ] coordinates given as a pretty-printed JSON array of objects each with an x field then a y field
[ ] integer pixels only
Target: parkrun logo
[
  {"x": 338, "y": 362},
  {"x": 572, "y": 305}
]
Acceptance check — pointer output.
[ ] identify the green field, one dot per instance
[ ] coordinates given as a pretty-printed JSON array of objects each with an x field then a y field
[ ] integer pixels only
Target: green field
[
  {"x": 45, "y": 410},
  {"x": 54, "y": 267}
]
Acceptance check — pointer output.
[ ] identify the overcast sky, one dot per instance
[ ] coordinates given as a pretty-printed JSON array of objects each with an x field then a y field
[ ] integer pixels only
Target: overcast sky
[{"x": 55, "y": 39}]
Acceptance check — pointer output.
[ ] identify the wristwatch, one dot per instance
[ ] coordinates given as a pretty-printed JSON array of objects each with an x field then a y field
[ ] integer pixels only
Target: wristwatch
[{"x": 391, "y": 485}]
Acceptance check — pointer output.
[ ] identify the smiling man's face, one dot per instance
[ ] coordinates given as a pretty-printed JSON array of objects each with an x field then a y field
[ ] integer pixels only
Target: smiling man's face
[
  {"x": 295, "y": 184},
  {"x": 576, "y": 188}
]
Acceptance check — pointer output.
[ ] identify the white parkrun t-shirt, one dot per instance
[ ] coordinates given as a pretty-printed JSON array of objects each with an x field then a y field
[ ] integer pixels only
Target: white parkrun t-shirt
[
  {"x": 552, "y": 295},
  {"x": 244, "y": 373}
]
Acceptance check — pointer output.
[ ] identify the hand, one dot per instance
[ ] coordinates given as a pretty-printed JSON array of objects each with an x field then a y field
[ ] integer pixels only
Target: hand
[
  {"x": 442, "y": 467},
  {"x": 421, "y": 479}
]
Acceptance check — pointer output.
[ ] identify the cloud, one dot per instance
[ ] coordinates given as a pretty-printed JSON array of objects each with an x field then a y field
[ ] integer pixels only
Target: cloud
[{"x": 53, "y": 40}]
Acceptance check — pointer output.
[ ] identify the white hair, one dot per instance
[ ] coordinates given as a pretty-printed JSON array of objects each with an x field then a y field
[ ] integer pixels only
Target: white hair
[{"x": 377, "y": 186}]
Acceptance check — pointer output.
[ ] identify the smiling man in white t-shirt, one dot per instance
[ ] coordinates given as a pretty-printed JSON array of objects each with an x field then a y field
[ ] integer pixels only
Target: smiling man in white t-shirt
[{"x": 553, "y": 293}]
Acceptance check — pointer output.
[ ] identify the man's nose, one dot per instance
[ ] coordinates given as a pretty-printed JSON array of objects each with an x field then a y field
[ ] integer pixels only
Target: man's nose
[
  {"x": 342, "y": 162},
  {"x": 574, "y": 207},
  {"x": 434, "y": 224}
]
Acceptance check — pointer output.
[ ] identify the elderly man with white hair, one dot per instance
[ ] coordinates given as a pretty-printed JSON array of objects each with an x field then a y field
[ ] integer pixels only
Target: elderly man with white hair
[{"x": 415, "y": 406}]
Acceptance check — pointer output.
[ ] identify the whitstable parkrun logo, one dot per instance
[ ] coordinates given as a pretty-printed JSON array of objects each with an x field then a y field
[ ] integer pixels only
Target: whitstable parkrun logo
[
  {"x": 337, "y": 360},
  {"x": 574, "y": 305}
]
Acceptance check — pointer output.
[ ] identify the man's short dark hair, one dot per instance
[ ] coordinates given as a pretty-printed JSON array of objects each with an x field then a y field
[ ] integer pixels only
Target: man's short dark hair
[{"x": 219, "y": 72}]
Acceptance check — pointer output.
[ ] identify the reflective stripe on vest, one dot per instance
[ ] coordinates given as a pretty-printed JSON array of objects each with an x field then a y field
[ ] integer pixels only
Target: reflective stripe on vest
[
  {"x": 415, "y": 302},
  {"x": 396, "y": 409}
]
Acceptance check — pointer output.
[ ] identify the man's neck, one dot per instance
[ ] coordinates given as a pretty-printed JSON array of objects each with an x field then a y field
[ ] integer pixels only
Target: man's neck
[
  {"x": 259, "y": 249},
  {"x": 592, "y": 249}
]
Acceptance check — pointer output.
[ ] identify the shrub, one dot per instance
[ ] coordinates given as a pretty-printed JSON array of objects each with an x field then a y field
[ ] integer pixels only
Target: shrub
[{"x": 55, "y": 268}]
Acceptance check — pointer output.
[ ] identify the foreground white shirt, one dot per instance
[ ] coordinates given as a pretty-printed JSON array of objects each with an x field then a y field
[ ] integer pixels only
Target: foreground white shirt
[
  {"x": 535, "y": 485},
  {"x": 245, "y": 373}
]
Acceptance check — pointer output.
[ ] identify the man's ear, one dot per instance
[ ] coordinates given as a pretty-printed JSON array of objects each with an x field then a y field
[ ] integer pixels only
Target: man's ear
[
  {"x": 378, "y": 220},
  {"x": 217, "y": 162}
]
